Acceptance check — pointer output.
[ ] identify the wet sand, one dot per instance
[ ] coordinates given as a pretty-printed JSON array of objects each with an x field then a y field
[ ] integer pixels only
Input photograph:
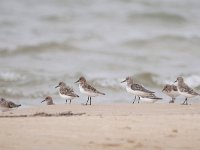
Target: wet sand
[{"x": 111, "y": 126}]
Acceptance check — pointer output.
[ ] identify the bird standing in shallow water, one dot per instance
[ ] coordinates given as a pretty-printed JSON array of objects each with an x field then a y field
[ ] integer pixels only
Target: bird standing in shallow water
[
  {"x": 185, "y": 90},
  {"x": 87, "y": 89}
]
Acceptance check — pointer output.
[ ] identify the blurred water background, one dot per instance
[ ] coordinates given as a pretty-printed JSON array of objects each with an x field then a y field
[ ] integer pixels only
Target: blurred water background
[{"x": 44, "y": 42}]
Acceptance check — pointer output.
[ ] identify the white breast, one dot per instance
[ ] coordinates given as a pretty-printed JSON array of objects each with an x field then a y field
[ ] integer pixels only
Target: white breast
[
  {"x": 65, "y": 96},
  {"x": 172, "y": 94}
]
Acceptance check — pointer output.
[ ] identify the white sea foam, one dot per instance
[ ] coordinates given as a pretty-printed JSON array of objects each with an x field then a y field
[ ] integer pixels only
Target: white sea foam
[{"x": 11, "y": 76}]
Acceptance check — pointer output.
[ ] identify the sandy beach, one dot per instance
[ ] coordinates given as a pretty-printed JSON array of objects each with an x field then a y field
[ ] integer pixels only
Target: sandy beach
[{"x": 111, "y": 126}]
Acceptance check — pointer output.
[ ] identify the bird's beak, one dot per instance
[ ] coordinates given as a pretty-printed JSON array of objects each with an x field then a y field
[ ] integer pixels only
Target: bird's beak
[
  {"x": 42, "y": 101},
  {"x": 77, "y": 81},
  {"x": 123, "y": 81},
  {"x": 163, "y": 89},
  {"x": 57, "y": 86},
  {"x": 175, "y": 81}
]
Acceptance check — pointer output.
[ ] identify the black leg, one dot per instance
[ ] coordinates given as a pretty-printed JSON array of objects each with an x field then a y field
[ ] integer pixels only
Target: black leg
[
  {"x": 138, "y": 99},
  {"x": 87, "y": 100},
  {"x": 90, "y": 100},
  {"x": 184, "y": 102},
  {"x": 66, "y": 101},
  {"x": 134, "y": 100},
  {"x": 70, "y": 101},
  {"x": 172, "y": 101}
]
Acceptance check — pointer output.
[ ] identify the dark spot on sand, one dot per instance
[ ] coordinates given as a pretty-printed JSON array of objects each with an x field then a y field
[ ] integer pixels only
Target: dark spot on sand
[
  {"x": 111, "y": 145},
  {"x": 108, "y": 139},
  {"x": 171, "y": 136},
  {"x": 127, "y": 128},
  {"x": 175, "y": 131},
  {"x": 91, "y": 142},
  {"x": 130, "y": 141}
]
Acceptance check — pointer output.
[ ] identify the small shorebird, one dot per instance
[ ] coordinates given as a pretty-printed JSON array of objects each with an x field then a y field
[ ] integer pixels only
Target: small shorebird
[
  {"x": 66, "y": 92},
  {"x": 136, "y": 89},
  {"x": 150, "y": 98},
  {"x": 185, "y": 90},
  {"x": 49, "y": 100},
  {"x": 87, "y": 89},
  {"x": 4, "y": 104},
  {"x": 172, "y": 91}
]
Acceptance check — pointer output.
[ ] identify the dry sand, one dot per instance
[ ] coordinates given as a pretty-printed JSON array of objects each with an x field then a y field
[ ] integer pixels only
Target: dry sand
[{"x": 112, "y": 126}]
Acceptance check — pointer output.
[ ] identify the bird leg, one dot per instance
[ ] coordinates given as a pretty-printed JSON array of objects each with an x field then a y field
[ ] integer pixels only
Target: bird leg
[
  {"x": 90, "y": 101},
  {"x": 87, "y": 100},
  {"x": 66, "y": 101},
  {"x": 134, "y": 99},
  {"x": 172, "y": 101},
  {"x": 70, "y": 101},
  {"x": 138, "y": 100},
  {"x": 185, "y": 102}
]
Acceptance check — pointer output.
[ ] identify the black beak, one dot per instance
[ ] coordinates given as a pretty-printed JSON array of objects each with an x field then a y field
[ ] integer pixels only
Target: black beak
[
  {"x": 57, "y": 86},
  {"x": 123, "y": 81},
  {"x": 77, "y": 81},
  {"x": 175, "y": 81},
  {"x": 43, "y": 101}
]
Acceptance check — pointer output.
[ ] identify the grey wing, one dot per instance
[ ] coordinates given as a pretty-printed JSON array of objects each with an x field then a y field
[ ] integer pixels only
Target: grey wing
[
  {"x": 66, "y": 90},
  {"x": 70, "y": 92},
  {"x": 174, "y": 88},
  {"x": 92, "y": 89},
  {"x": 70, "y": 89},
  {"x": 189, "y": 90},
  {"x": 138, "y": 87}
]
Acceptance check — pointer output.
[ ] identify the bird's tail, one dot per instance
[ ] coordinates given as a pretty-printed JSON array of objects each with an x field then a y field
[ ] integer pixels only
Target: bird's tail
[
  {"x": 158, "y": 98},
  {"x": 101, "y": 93},
  {"x": 18, "y": 105}
]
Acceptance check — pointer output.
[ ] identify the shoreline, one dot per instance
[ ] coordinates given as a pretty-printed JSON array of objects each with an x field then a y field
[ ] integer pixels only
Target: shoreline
[{"x": 110, "y": 126}]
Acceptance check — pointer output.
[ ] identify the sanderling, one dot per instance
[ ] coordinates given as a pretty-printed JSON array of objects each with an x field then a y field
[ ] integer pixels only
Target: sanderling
[
  {"x": 150, "y": 98},
  {"x": 185, "y": 90},
  {"x": 172, "y": 91},
  {"x": 4, "y": 104},
  {"x": 136, "y": 89},
  {"x": 87, "y": 89},
  {"x": 66, "y": 92},
  {"x": 49, "y": 100}
]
